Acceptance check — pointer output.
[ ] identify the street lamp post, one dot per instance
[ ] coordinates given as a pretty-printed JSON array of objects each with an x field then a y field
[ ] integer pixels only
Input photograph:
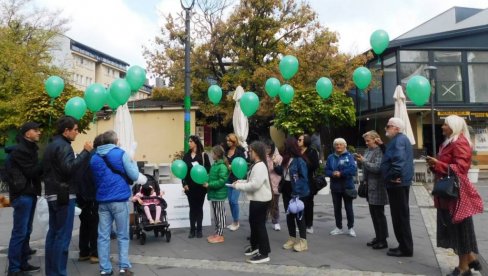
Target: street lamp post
[
  {"x": 187, "y": 6},
  {"x": 431, "y": 70}
]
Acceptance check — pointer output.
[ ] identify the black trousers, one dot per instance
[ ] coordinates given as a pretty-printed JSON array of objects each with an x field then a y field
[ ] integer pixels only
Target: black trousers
[
  {"x": 257, "y": 220},
  {"x": 195, "y": 201},
  {"x": 88, "y": 229},
  {"x": 400, "y": 217},
  {"x": 291, "y": 219},
  {"x": 308, "y": 202},
  {"x": 337, "y": 198},
  {"x": 379, "y": 221}
]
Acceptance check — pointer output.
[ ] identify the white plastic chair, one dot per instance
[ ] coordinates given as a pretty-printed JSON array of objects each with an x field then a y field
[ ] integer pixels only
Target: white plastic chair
[{"x": 164, "y": 171}]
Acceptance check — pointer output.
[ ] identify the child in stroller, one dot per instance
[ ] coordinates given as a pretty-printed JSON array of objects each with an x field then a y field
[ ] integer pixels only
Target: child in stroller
[
  {"x": 148, "y": 198},
  {"x": 149, "y": 211}
]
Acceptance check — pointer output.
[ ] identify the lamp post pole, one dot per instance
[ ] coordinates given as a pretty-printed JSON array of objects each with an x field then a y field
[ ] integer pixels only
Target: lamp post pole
[
  {"x": 187, "y": 6},
  {"x": 432, "y": 76}
]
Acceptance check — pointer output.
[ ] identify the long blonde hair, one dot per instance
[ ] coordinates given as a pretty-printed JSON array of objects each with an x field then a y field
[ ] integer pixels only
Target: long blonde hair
[
  {"x": 458, "y": 126},
  {"x": 233, "y": 138}
]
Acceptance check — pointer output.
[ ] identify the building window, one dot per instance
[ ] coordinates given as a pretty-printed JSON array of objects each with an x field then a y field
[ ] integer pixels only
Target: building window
[
  {"x": 389, "y": 78},
  {"x": 478, "y": 83},
  {"x": 449, "y": 84},
  {"x": 445, "y": 56},
  {"x": 478, "y": 56},
  {"x": 414, "y": 56}
]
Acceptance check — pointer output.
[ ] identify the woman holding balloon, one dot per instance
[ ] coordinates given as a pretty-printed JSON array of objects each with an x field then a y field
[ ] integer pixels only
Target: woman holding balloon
[
  {"x": 234, "y": 151},
  {"x": 194, "y": 191}
]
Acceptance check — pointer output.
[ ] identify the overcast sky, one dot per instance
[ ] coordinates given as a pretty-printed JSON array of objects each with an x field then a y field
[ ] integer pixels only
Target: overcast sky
[{"x": 119, "y": 28}]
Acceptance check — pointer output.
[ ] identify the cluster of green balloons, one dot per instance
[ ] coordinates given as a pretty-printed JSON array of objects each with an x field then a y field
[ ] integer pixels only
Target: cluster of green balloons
[
  {"x": 379, "y": 41},
  {"x": 249, "y": 103},
  {"x": 418, "y": 90},
  {"x": 179, "y": 169},
  {"x": 215, "y": 94},
  {"x": 361, "y": 77},
  {"x": 239, "y": 167}
]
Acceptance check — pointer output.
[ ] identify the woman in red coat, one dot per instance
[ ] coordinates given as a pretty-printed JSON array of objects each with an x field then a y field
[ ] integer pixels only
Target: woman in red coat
[{"x": 455, "y": 227}]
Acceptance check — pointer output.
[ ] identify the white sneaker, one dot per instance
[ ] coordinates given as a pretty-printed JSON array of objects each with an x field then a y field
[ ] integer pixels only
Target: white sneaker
[
  {"x": 277, "y": 227},
  {"x": 233, "y": 227},
  {"x": 336, "y": 231},
  {"x": 310, "y": 230},
  {"x": 351, "y": 232}
]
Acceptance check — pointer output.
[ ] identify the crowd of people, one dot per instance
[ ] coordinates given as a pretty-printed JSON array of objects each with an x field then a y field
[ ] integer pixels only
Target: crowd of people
[{"x": 98, "y": 181}]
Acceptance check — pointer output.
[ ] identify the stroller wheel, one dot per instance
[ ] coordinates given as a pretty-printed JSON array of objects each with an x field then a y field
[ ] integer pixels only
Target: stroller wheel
[
  {"x": 168, "y": 236},
  {"x": 131, "y": 232},
  {"x": 156, "y": 233},
  {"x": 143, "y": 238}
]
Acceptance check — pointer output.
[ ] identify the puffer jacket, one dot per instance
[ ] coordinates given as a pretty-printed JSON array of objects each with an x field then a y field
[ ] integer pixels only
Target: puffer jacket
[
  {"x": 216, "y": 181},
  {"x": 111, "y": 186},
  {"x": 397, "y": 162},
  {"x": 345, "y": 164},
  {"x": 24, "y": 169},
  {"x": 59, "y": 165}
]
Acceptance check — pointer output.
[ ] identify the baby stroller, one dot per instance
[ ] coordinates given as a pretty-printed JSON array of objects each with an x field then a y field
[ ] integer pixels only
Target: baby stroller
[{"x": 141, "y": 223}]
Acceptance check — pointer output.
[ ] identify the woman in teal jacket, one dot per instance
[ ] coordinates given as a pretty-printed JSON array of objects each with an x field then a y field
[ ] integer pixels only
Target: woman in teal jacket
[{"x": 217, "y": 192}]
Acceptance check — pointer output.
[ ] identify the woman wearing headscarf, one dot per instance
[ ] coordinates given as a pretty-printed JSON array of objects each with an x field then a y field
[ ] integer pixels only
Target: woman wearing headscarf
[
  {"x": 194, "y": 191},
  {"x": 455, "y": 227}
]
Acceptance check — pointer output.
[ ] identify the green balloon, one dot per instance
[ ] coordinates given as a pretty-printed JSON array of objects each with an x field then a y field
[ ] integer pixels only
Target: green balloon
[
  {"x": 272, "y": 87},
  {"x": 379, "y": 41},
  {"x": 120, "y": 91},
  {"x": 324, "y": 87},
  {"x": 215, "y": 94},
  {"x": 361, "y": 77},
  {"x": 179, "y": 169},
  {"x": 288, "y": 67},
  {"x": 111, "y": 102},
  {"x": 75, "y": 107},
  {"x": 286, "y": 93},
  {"x": 54, "y": 85},
  {"x": 239, "y": 167},
  {"x": 199, "y": 174},
  {"x": 136, "y": 77},
  {"x": 95, "y": 97},
  {"x": 249, "y": 103},
  {"x": 418, "y": 90}
]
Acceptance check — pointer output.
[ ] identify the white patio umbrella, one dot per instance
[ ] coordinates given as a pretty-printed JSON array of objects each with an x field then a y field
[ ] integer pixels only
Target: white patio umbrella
[
  {"x": 239, "y": 120},
  {"x": 401, "y": 112},
  {"x": 125, "y": 130}
]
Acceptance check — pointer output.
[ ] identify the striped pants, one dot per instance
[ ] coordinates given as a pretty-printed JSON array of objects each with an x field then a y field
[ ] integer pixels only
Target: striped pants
[{"x": 219, "y": 216}]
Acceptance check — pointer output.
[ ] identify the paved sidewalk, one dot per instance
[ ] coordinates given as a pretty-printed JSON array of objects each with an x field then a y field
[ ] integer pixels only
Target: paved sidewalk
[{"x": 327, "y": 255}]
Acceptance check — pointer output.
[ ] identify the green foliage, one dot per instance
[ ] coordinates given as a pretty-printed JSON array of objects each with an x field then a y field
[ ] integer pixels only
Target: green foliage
[{"x": 307, "y": 112}]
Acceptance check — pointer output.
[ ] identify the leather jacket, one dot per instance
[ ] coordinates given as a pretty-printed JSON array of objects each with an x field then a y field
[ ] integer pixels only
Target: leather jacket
[{"x": 60, "y": 165}]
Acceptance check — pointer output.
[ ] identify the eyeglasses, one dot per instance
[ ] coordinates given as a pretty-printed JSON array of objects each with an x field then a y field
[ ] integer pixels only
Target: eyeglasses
[{"x": 388, "y": 126}]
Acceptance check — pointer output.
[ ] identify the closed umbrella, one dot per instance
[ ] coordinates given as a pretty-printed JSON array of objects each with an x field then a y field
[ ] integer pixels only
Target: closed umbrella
[
  {"x": 401, "y": 112},
  {"x": 125, "y": 130},
  {"x": 239, "y": 120}
]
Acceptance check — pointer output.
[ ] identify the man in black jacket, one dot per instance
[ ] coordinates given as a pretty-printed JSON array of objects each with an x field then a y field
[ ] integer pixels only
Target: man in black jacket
[
  {"x": 24, "y": 173},
  {"x": 59, "y": 166}
]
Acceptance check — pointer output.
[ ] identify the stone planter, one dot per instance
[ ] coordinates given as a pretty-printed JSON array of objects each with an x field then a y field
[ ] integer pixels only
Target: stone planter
[{"x": 473, "y": 174}]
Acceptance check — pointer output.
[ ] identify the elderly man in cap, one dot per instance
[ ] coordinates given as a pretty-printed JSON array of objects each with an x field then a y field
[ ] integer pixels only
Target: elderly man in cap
[
  {"x": 397, "y": 171},
  {"x": 23, "y": 177}
]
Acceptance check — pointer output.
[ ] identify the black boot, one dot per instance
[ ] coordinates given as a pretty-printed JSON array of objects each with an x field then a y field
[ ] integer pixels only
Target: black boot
[
  {"x": 192, "y": 234},
  {"x": 199, "y": 234}
]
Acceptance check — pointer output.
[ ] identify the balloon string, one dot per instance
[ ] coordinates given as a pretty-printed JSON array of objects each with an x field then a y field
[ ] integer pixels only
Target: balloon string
[
  {"x": 52, "y": 102},
  {"x": 359, "y": 116}
]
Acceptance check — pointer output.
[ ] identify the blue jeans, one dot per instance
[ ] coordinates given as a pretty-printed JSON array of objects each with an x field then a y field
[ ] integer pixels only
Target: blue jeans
[
  {"x": 337, "y": 198},
  {"x": 107, "y": 213},
  {"x": 233, "y": 195},
  {"x": 58, "y": 237},
  {"x": 18, "y": 249}
]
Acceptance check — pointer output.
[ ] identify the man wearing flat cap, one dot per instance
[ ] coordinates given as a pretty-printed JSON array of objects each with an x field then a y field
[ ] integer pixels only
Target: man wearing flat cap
[{"x": 24, "y": 173}]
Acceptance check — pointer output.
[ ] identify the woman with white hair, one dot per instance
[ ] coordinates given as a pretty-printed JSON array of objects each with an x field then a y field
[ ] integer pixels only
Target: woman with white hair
[
  {"x": 455, "y": 227},
  {"x": 341, "y": 169}
]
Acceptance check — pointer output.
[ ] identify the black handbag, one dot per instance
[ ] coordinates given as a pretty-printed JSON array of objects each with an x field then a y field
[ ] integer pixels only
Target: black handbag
[
  {"x": 352, "y": 193},
  {"x": 319, "y": 182},
  {"x": 363, "y": 189},
  {"x": 447, "y": 187}
]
